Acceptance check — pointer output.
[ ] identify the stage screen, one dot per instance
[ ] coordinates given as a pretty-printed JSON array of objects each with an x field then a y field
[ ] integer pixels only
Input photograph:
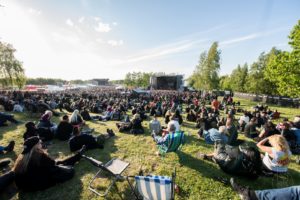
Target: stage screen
[{"x": 167, "y": 83}]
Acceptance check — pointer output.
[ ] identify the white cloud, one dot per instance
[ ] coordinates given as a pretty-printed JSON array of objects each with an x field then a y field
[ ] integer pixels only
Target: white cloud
[
  {"x": 115, "y": 42},
  {"x": 69, "y": 22},
  {"x": 114, "y": 23},
  {"x": 96, "y": 19},
  {"x": 99, "y": 40},
  {"x": 168, "y": 49},
  {"x": 240, "y": 39},
  {"x": 34, "y": 11},
  {"x": 102, "y": 27},
  {"x": 81, "y": 20}
]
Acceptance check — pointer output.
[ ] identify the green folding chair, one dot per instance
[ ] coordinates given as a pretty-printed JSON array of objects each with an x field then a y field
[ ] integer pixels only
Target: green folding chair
[{"x": 175, "y": 142}]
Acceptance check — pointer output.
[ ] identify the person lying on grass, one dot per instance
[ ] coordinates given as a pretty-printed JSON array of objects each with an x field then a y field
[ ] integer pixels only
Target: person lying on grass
[
  {"x": 91, "y": 142},
  {"x": 236, "y": 160}
]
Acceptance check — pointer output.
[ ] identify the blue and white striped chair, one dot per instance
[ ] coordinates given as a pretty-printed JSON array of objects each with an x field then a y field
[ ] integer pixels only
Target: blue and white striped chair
[{"x": 154, "y": 187}]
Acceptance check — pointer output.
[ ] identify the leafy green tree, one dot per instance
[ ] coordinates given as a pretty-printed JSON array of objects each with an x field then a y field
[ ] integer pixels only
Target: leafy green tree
[
  {"x": 257, "y": 82},
  {"x": 225, "y": 82},
  {"x": 206, "y": 74},
  {"x": 238, "y": 78},
  {"x": 283, "y": 70},
  {"x": 11, "y": 70}
]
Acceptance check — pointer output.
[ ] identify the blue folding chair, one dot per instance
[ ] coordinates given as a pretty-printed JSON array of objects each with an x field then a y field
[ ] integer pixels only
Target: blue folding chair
[{"x": 153, "y": 187}]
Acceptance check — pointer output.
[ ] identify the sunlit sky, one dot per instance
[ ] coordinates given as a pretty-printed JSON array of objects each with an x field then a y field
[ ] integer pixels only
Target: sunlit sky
[{"x": 85, "y": 39}]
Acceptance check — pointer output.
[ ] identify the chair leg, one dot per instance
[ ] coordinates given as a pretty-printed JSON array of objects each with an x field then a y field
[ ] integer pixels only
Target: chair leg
[
  {"x": 132, "y": 189},
  {"x": 107, "y": 190}
]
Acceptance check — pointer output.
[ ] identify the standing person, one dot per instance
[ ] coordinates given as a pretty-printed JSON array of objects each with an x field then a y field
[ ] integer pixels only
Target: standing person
[{"x": 36, "y": 170}]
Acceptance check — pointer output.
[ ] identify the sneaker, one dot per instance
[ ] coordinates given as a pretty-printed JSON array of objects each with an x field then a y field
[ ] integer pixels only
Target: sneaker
[
  {"x": 4, "y": 162},
  {"x": 244, "y": 192},
  {"x": 10, "y": 146}
]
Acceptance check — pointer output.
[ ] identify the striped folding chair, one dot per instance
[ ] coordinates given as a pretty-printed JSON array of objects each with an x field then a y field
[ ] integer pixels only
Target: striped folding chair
[
  {"x": 175, "y": 141},
  {"x": 154, "y": 187}
]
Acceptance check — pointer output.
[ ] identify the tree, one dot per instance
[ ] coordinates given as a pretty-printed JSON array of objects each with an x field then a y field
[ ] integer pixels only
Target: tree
[
  {"x": 283, "y": 70},
  {"x": 238, "y": 78},
  {"x": 257, "y": 82},
  {"x": 225, "y": 82},
  {"x": 11, "y": 70},
  {"x": 206, "y": 74}
]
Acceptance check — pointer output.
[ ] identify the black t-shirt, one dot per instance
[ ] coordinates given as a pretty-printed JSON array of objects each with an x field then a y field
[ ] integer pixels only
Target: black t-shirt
[
  {"x": 76, "y": 142},
  {"x": 38, "y": 175},
  {"x": 64, "y": 130}
]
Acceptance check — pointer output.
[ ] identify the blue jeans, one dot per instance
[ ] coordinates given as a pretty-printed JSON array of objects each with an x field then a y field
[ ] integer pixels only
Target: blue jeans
[{"x": 288, "y": 193}]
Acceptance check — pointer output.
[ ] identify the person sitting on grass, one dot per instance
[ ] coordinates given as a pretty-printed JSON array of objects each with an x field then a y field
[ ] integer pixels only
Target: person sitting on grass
[
  {"x": 164, "y": 140},
  {"x": 232, "y": 131},
  {"x": 174, "y": 120},
  {"x": 268, "y": 130},
  {"x": 86, "y": 115},
  {"x": 213, "y": 135},
  {"x": 44, "y": 133},
  {"x": 277, "y": 154},
  {"x": 64, "y": 129},
  {"x": 136, "y": 125},
  {"x": 251, "y": 128},
  {"x": 45, "y": 121},
  {"x": 36, "y": 170},
  {"x": 244, "y": 119},
  {"x": 91, "y": 142},
  {"x": 154, "y": 125},
  {"x": 76, "y": 119}
]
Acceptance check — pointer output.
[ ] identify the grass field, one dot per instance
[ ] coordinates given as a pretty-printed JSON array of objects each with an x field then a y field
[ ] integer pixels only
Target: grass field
[{"x": 195, "y": 177}]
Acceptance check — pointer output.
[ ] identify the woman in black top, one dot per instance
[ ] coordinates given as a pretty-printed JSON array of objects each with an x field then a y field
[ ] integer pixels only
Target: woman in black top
[{"x": 36, "y": 170}]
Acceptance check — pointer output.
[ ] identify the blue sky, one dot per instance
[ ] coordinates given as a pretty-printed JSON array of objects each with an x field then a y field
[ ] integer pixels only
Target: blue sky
[{"x": 86, "y": 39}]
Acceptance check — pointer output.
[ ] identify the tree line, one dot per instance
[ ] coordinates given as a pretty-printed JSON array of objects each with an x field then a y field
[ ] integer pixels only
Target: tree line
[{"x": 276, "y": 72}]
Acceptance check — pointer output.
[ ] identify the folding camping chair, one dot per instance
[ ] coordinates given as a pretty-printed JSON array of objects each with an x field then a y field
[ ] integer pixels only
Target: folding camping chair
[
  {"x": 153, "y": 187},
  {"x": 115, "y": 167},
  {"x": 175, "y": 142}
]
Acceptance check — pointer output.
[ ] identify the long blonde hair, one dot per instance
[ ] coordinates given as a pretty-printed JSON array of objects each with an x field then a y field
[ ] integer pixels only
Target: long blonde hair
[
  {"x": 21, "y": 164},
  {"x": 73, "y": 118},
  {"x": 279, "y": 143}
]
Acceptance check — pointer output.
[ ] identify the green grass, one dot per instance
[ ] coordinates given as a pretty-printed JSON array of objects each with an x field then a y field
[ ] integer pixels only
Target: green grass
[{"x": 194, "y": 177}]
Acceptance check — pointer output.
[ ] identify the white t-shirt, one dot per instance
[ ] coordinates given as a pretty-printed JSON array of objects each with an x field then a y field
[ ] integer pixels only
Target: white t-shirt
[
  {"x": 244, "y": 118},
  {"x": 279, "y": 163},
  {"x": 176, "y": 124}
]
